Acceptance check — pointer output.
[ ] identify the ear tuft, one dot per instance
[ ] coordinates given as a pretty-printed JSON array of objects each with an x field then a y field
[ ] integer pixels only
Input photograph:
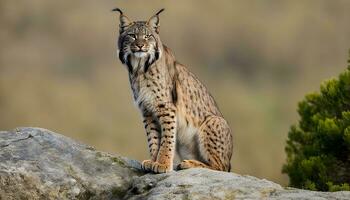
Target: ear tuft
[
  {"x": 125, "y": 22},
  {"x": 153, "y": 22},
  {"x": 160, "y": 11},
  {"x": 117, "y": 9}
]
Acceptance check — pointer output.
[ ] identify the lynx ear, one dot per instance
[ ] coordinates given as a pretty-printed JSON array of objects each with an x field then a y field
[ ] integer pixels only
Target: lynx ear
[
  {"x": 153, "y": 22},
  {"x": 125, "y": 22}
]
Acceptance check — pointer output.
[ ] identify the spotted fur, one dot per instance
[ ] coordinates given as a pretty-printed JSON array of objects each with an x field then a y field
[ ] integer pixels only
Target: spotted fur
[{"x": 183, "y": 124}]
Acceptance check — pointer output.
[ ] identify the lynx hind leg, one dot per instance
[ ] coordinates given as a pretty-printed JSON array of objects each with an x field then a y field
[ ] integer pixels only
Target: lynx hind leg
[
  {"x": 215, "y": 146},
  {"x": 186, "y": 164}
]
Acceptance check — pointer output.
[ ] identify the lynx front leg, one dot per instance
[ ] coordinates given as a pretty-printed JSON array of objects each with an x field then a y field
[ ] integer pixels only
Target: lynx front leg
[
  {"x": 167, "y": 120},
  {"x": 153, "y": 137}
]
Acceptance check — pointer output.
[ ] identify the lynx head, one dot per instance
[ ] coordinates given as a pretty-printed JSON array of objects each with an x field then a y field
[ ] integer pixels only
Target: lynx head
[{"x": 139, "y": 39}]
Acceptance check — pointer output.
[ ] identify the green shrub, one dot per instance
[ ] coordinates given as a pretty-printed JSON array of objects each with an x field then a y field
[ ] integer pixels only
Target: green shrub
[{"x": 318, "y": 147}]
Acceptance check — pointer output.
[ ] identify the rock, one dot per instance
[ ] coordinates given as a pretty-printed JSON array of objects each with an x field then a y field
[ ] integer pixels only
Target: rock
[
  {"x": 39, "y": 164},
  {"x": 208, "y": 184}
]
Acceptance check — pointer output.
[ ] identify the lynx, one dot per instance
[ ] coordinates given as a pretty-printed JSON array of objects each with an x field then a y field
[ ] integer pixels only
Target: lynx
[{"x": 184, "y": 126}]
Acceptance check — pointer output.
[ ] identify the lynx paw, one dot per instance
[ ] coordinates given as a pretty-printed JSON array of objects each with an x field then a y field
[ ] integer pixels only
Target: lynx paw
[
  {"x": 147, "y": 165},
  {"x": 161, "y": 168},
  {"x": 186, "y": 164},
  {"x": 151, "y": 166}
]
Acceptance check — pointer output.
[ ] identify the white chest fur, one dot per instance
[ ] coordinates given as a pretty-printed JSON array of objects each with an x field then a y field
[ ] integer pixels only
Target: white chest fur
[
  {"x": 145, "y": 97},
  {"x": 185, "y": 139}
]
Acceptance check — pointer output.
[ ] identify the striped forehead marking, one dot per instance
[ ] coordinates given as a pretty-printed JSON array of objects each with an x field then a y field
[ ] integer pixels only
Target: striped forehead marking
[{"x": 140, "y": 28}]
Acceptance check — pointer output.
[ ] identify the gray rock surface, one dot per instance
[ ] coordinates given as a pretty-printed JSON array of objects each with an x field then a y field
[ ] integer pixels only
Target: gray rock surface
[{"x": 39, "y": 164}]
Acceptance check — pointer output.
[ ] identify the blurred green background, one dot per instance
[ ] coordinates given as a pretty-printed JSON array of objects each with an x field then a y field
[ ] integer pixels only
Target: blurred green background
[{"x": 59, "y": 69}]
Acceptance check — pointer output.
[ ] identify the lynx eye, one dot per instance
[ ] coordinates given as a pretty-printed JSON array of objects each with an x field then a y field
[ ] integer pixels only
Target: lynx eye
[
  {"x": 148, "y": 36},
  {"x": 132, "y": 36}
]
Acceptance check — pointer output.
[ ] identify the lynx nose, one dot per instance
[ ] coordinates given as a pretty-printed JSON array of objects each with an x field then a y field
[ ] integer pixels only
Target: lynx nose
[{"x": 140, "y": 45}]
